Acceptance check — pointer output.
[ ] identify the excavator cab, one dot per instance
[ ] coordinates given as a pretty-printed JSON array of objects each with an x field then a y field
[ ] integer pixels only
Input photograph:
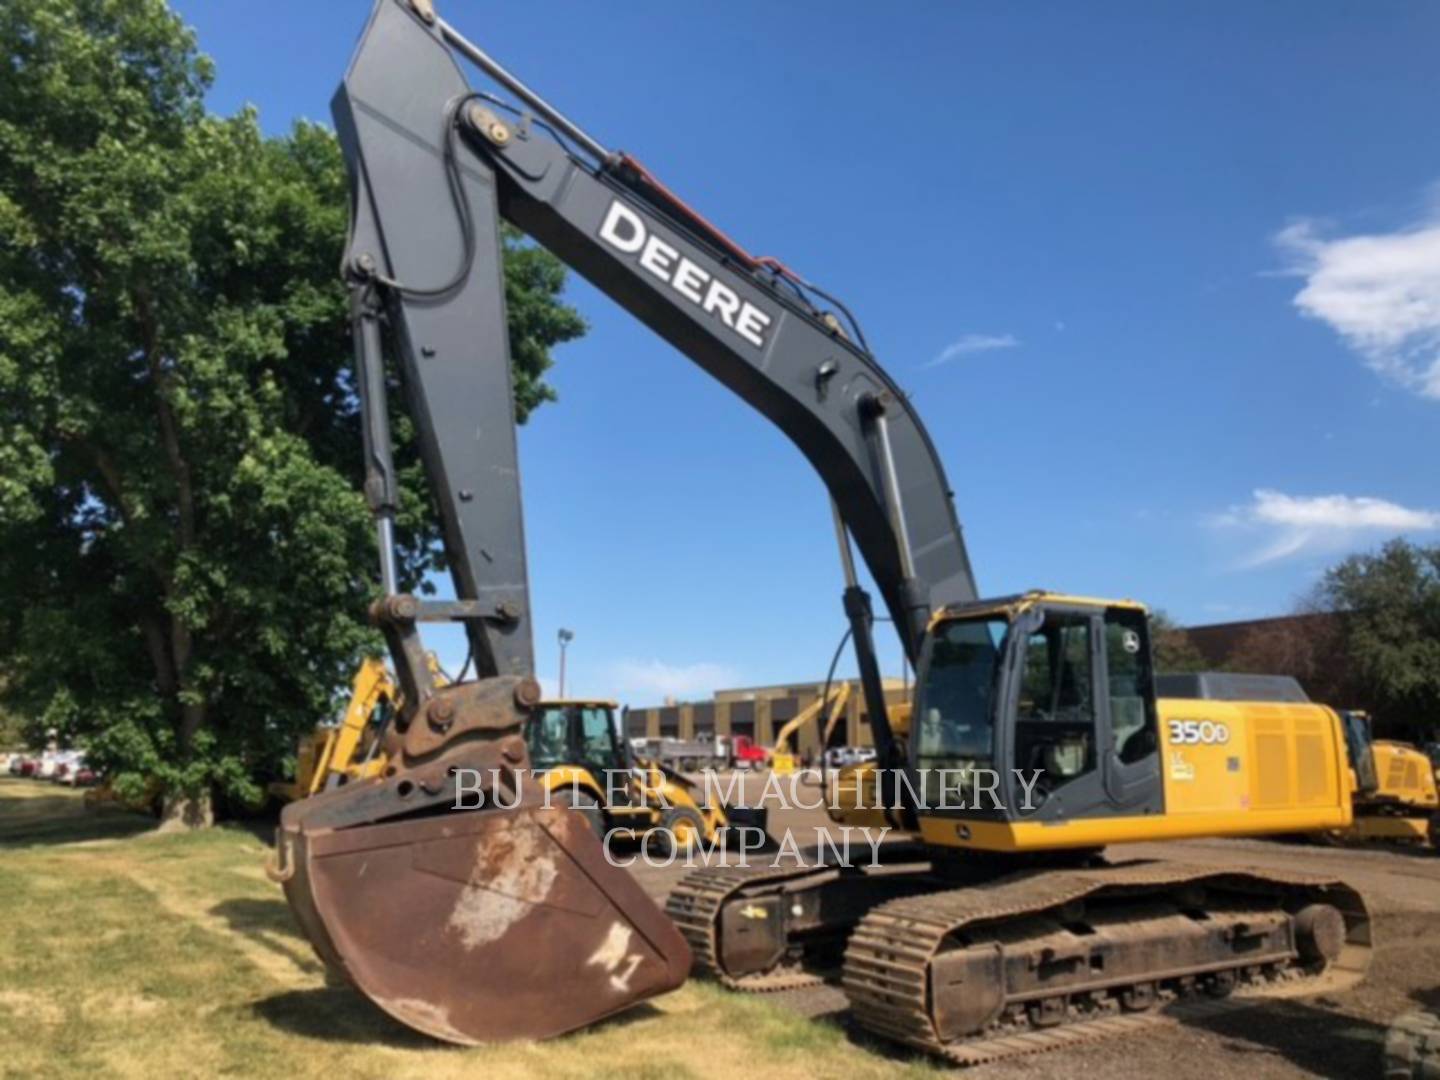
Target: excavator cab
[
  {"x": 1038, "y": 708},
  {"x": 1360, "y": 746}
]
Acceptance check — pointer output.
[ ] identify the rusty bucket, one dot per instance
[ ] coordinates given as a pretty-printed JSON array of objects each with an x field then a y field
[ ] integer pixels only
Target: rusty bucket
[{"x": 481, "y": 926}]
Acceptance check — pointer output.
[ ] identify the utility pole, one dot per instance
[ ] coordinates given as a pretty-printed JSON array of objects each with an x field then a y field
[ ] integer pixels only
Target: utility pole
[{"x": 565, "y": 636}]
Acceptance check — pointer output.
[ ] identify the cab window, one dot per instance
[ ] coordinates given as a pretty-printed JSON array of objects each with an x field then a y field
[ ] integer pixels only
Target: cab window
[
  {"x": 956, "y": 706},
  {"x": 547, "y": 735},
  {"x": 1132, "y": 700},
  {"x": 597, "y": 736},
  {"x": 1055, "y": 732}
]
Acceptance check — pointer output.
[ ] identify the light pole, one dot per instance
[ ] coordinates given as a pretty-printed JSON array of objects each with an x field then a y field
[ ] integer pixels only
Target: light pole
[{"x": 565, "y": 636}]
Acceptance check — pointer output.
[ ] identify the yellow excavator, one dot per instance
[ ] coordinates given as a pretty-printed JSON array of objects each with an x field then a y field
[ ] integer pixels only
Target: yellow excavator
[
  {"x": 446, "y": 891},
  {"x": 832, "y": 703},
  {"x": 1393, "y": 789}
]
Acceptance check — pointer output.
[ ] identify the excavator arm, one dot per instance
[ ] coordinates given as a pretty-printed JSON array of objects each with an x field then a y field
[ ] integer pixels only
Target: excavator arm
[
  {"x": 508, "y": 921},
  {"x": 435, "y": 166}
]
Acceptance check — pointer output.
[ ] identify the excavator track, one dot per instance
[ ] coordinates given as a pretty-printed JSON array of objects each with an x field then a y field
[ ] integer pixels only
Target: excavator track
[
  {"x": 896, "y": 959},
  {"x": 697, "y": 906},
  {"x": 694, "y": 906}
]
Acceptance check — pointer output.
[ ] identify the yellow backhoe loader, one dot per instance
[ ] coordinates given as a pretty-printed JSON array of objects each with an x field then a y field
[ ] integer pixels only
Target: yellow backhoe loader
[
  {"x": 1034, "y": 738},
  {"x": 585, "y": 764},
  {"x": 334, "y": 755}
]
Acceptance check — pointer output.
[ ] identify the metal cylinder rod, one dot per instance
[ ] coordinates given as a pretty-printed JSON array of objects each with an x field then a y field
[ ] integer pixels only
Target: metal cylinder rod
[
  {"x": 543, "y": 108},
  {"x": 380, "y": 488},
  {"x": 385, "y": 533},
  {"x": 892, "y": 495},
  {"x": 847, "y": 557}
]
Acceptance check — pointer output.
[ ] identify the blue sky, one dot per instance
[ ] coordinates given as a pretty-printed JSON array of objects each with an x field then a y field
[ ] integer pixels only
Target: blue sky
[{"x": 1163, "y": 280}]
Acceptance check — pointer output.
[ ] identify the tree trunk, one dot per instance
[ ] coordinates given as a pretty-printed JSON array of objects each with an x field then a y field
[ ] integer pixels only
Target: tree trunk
[{"x": 181, "y": 813}]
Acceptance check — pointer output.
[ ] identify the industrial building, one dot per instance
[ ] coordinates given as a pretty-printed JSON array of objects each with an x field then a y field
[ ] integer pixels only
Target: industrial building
[{"x": 759, "y": 712}]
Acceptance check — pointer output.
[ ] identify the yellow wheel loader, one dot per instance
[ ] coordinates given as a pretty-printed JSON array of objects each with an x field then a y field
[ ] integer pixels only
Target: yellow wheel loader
[{"x": 1034, "y": 739}]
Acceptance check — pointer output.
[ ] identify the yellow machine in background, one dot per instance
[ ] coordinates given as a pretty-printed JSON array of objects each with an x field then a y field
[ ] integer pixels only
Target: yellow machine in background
[
  {"x": 333, "y": 755},
  {"x": 1393, "y": 788},
  {"x": 585, "y": 764},
  {"x": 782, "y": 760},
  {"x": 575, "y": 747}
]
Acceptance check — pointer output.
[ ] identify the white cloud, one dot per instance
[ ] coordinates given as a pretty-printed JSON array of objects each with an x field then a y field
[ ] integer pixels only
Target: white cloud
[
  {"x": 973, "y": 343},
  {"x": 649, "y": 682},
  {"x": 1379, "y": 292},
  {"x": 1296, "y": 523}
]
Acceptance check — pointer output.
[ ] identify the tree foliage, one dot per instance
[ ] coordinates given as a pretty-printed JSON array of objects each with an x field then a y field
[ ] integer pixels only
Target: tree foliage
[
  {"x": 185, "y": 556},
  {"x": 1388, "y": 605},
  {"x": 1174, "y": 652}
]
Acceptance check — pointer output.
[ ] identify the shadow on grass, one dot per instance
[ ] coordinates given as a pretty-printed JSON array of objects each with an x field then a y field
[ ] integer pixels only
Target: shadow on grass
[
  {"x": 269, "y": 924},
  {"x": 341, "y": 1014},
  {"x": 63, "y": 819}
]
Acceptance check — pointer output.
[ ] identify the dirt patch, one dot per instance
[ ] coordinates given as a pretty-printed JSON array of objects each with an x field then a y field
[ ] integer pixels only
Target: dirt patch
[{"x": 34, "y": 1007}]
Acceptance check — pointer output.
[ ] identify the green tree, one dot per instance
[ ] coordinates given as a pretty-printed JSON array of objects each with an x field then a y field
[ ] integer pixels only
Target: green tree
[
  {"x": 12, "y": 726},
  {"x": 184, "y": 553},
  {"x": 1389, "y": 616},
  {"x": 1174, "y": 652}
]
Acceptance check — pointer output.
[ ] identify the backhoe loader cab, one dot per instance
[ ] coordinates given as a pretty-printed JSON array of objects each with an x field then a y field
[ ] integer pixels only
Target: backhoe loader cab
[
  {"x": 579, "y": 733},
  {"x": 1037, "y": 708}
]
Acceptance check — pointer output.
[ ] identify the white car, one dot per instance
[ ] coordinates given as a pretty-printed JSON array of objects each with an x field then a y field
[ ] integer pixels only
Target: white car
[
  {"x": 68, "y": 765},
  {"x": 840, "y": 756}
]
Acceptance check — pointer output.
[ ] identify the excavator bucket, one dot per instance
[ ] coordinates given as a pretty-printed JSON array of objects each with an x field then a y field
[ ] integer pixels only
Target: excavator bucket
[{"x": 478, "y": 927}]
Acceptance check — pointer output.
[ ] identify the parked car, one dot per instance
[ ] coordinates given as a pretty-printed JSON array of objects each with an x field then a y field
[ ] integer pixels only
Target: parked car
[
  {"x": 838, "y": 757},
  {"x": 28, "y": 766},
  {"x": 70, "y": 762}
]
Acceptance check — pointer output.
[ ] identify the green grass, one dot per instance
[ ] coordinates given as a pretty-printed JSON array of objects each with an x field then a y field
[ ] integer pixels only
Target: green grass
[{"x": 130, "y": 954}]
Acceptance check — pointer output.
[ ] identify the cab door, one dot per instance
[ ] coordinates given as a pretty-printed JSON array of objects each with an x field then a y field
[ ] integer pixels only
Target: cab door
[
  {"x": 1127, "y": 693},
  {"x": 1084, "y": 731}
]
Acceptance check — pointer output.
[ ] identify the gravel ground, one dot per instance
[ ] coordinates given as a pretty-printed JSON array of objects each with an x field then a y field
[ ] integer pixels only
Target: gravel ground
[{"x": 1337, "y": 1036}]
